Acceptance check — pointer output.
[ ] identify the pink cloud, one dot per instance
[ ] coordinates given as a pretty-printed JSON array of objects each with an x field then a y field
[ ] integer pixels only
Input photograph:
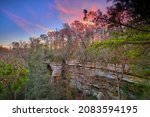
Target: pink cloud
[
  {"x": 26, "y": 25},
  {"x": 70, "y": 10}
]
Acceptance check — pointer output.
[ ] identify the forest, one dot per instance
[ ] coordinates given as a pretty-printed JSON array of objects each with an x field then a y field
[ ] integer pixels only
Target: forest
[{"x": 105, "y": 56}]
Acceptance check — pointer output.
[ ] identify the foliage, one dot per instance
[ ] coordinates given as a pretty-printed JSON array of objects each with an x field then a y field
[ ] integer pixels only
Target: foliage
[
  {"x": 138, "y": 91},
  {"x": 119, "y": 38},
  {"x": 13, "y": 77},
  {"x": 135, "y": 7},
  {"x": 38, "y": 77}
]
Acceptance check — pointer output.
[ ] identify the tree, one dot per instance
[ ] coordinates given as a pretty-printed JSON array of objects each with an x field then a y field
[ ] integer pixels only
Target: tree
[
  {"x": 13, "y": 77},
  {"x": 21, "y": 50},
  {"x": 136, "y": 8},
  {"x": 38, "y": 86},
  {"x": 34, "y": 43},
  {"x": 84, "y": 36},
  {"x": 123, "y": 14}
]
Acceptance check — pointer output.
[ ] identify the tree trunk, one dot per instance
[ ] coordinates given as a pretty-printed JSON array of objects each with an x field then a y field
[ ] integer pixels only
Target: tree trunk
[
  {"x": 118, "y": 88},
  {"x": 118, "y": 83},
  {"x": 84, "y": 83}
]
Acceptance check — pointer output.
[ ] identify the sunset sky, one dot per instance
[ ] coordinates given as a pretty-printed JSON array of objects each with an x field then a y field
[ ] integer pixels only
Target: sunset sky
[{"x": 21, "y": 19}]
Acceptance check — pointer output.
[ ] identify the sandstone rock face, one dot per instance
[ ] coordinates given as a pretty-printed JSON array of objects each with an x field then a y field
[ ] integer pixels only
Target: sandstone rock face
[
  {"x": 99, "y": 87},
  {"x": 56, "y": 70},
  {"x": 100, "y": 83}
]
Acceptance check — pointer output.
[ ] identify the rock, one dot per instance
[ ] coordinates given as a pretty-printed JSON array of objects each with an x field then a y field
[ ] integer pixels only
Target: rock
[
  {"x": 100, "y": 96},
  {"x": 97, "y": 82},
  {"x": 56, "y": 71}
]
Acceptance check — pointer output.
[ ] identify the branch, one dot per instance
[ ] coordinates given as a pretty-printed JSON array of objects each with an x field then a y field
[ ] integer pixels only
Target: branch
[{"x": 129, "y": 26}]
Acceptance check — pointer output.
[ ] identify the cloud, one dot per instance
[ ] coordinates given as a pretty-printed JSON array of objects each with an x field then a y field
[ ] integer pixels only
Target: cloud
[
  {"x": 25, "y": 25},
  {"x": 70, "y": 10}
]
